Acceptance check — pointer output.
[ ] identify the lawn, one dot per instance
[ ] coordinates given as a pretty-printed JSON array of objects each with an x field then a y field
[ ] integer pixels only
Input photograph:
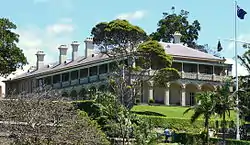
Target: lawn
[{"x": 171, "y": 111}]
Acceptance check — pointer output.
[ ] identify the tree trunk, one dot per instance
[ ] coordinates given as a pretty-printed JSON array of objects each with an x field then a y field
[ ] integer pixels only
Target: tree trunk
[
  {"x": 207, "y": 130},
  {"x": 223, "y": 129}
]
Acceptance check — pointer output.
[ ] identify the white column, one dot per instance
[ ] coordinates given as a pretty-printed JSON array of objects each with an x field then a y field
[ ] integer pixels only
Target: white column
[
  {"x": 182, "y": 71},
  {"x": 198, "y": 71},
  {"x": 166, "y": 96},
  {"x": 183, "y": 95},
  {"x": 150, "y": 91}
]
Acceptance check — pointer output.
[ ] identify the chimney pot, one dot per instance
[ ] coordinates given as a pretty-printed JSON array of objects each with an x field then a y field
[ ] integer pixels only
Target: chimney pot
[
  {"x": 177, "y": 37},
  {"x": 89, "y": 46},
  {"x": 74, "y": 46},
  {"x": 40, "y": 59},
  {"x": 62, "y": 53}
]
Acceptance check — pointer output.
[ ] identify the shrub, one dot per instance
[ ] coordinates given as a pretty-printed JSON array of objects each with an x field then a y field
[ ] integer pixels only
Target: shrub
[
  {"x": 148, "y": 113},
  {"x": 151, "y": 101},
  {"x": 194, "y": 138},
  {"x": 177, "y": 124},
  {"x": 137, "y": 101}
]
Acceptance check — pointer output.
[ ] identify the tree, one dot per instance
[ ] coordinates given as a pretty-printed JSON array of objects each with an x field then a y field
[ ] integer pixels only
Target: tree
[
  {"x": 43, "y": 118},
  {"x": 171, "y": 23},
  {"x": 11, "y": 57},
  {"x": 205, "y": 107},
  {"x": 225, "y": 102},
  {"x": 127, "y": 46}
]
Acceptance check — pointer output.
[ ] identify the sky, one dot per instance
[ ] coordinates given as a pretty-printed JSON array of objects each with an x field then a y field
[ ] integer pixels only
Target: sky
[{"x": 46, "y": 24}]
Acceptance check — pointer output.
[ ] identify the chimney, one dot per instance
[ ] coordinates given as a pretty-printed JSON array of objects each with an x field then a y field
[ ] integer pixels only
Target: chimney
[
  {"x": 40, "y": 59},
  {"x": 74, "y": 46},
  {"x": 177, "y": 37},
  {"x": 63, "y": 53},
  {"x": 89, "y": 47}
]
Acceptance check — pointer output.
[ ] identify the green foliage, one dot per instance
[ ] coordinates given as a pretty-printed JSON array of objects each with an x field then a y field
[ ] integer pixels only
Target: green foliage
[
  {"x": 177, "y": 123},
  {"x": 171, "y": 23},
  {"x": 196, "y": 139},
  {"x": 148, "y": 113},
  {"x": 151, "y": 101},
  {"x": 153, "y": 53},
  {"x": 164, "y": 76},
  {"x": 73, "y": 94},
  {"x": 11, "y": 57},
  {"x": 65, "y": 94},
  {"x": 117, "y": 32},
  {"x": 83, "y": 94}
]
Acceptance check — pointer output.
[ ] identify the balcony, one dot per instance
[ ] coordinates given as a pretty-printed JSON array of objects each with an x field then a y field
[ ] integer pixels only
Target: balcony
[
  {"x": 93, "y": 78},
  {"x": 74, "y": 82},
  {"x": 57, "y": 85},
  {"x": 65, "y": 84},
  {"x": 103, "y": 76},
  {"x": 205, "y": 77},
  {"x": 189, "y": 75},
  {"x": 84, "y": 80}
]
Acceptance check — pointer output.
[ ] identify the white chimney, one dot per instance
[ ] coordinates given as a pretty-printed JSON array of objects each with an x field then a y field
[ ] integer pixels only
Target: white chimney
[
  {"x": 63, "y": 53},
  {"x": 177, "y": 37},
  {"x": 89, "y": 47},
  {"x": 74, "y": 46},
  {"x": 40, "y": 59}
]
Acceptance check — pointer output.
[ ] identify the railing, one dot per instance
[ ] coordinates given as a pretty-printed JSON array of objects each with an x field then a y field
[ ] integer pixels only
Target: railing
[
  {"x": 57, "y": 85},
  {"x": 84, "y": 80},
  {"x": 74, "y": 82},
  {"x": 190, "y": 75},
  {"x": 103, "y": 76},
  {"x": 205, "y": 77},
  {"x": 65, "y": 84},
  {"x": 93, "y": 78}
]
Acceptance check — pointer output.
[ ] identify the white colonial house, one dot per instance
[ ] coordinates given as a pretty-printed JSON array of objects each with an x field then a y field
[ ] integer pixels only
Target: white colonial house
[{"x": 199, "y": 72}]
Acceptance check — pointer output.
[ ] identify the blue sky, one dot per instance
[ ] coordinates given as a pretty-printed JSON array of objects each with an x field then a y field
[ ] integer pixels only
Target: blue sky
[{"x": 45, "y": 24}]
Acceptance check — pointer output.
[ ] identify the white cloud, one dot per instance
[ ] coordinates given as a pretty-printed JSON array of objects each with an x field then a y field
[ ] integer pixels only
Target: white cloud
[
  {"x": 132, "y": 15},
  {"x": 241, "y": 70},
  {"x": 60, "y": 29},
  {"x": 33, "y": 38}
]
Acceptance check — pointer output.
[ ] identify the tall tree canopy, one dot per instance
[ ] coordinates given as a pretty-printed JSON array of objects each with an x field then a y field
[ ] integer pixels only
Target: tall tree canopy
[
  {"x": 11, "y": 57},
  {"x": 125, "y": 44},
  {"x": 171, "y": 23}
]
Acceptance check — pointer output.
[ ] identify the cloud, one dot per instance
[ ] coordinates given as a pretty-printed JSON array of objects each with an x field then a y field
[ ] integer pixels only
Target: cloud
[
  {"x": 60, "y": 29},
  {"x": 241, "y": 70},
  {"x": 33, "y": 38},
  {"x": 132, "y": 15}
]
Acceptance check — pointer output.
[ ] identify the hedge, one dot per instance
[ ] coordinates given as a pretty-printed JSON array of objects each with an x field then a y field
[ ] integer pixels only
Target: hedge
[
  {"x": 177, "y": 124},
  {"x": 193, "y": 139}
]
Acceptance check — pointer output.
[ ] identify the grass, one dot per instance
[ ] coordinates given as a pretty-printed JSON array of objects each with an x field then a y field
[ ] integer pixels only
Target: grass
[{"x": 172, "y": 111}]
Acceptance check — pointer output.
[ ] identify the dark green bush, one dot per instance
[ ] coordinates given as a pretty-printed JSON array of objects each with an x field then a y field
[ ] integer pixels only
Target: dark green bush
[
  {"x": 194, "y": 138},
  {"x": 178, "y": 124},
  {"x": 89, "y": 106},
  {"x": 151, "y": 101},
  {"x": 137, "y": 101},
  {"x": 148, "y": 113}
]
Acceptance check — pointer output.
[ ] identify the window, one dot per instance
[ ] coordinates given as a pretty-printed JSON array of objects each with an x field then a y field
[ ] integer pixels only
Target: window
[
  {"x": 56, "y": 79},
  {"x": 74, "y": 75},
  {"x": 192, "y": 99},
  {"x": 103, "y": 68},
  {"x": 47, "y": 80},
  {"x": 93, "y": 71},
  {"x": 84, "y": 73},
  {"x": 65, "y": 77}
]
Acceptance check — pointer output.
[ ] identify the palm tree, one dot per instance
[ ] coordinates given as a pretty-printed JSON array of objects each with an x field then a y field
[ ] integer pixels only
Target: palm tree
[
  {"x": 206, "y": 107},
  {"x": 224, "y": 104}
]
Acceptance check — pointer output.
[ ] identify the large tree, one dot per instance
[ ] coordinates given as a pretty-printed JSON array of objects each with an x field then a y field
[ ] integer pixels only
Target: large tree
[
  {"x": 172, "y": 22},
  {"x": 11, "y": 56},
  {"x": 126, "y": 44}
]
